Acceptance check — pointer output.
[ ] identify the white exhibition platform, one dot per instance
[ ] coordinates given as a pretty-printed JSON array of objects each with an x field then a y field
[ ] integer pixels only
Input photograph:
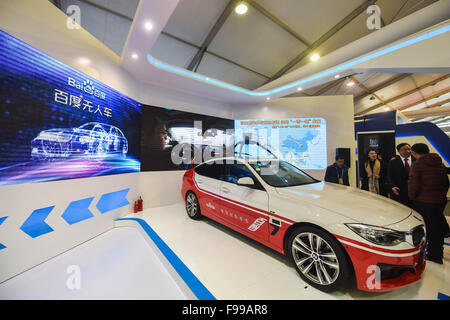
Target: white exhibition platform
[
  {"x": 118, "y": 264},
  {"x": 123, "y": 264}
]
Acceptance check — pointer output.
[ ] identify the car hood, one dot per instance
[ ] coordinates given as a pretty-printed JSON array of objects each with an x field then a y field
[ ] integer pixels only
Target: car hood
[{"x": 358, "y": 205}]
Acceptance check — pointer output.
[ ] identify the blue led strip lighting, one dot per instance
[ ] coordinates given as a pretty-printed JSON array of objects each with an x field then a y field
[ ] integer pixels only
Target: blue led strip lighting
[
  {"x": 196, "y": 76},
  {"x": 188, "y": 277}
]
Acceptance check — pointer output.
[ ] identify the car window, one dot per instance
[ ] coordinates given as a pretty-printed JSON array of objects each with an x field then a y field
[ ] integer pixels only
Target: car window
[
  {"x": 113, "y": 131},
  {"x": 98, "y": 128},
  {"x": 251, "y": 150},
  {"x": 86, "y": 126},
  {"x": 281, "y": 174},
  {"x": 210, "y": 170},
  {"x": 233, "y": 172}
]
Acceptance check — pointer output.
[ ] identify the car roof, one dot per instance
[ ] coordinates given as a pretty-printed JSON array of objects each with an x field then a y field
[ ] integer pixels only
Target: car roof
[{"x": 246, "y": 160}]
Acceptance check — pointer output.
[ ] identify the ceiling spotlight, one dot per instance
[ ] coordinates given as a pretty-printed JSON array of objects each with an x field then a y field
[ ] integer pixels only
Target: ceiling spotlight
[
  {"x": 315, "y": 57},
  {"x": 351, "y": 83},
  {"x": 387, "y": 109},
  {"x": 268, "y": 98},
  {"x": 84, "y": 61},
  {"x": 337, "y": 76},
  {"x": 148, "y": 26},
  {"x": 134, "y": 56},
  {"x": 241, "y": 8},
  {"x": 299, "y": 89}
]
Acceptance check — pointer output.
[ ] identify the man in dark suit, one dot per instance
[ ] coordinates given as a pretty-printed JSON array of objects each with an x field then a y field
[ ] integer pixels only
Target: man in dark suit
[
  {"x": 398, "y": 173},
  {"x": 337, "y": 172}
]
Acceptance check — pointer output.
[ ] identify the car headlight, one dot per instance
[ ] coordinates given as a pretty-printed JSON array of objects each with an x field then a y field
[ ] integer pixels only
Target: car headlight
[{"x": 378, "y": 235}]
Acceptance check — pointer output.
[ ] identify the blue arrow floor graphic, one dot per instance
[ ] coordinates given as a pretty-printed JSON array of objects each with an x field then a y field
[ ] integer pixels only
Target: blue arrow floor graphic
[
  {"x": 35, "y": 225},
  {"x": 113, "y": 200},
  {"x": 2, "y": 246},
  {"x": 442, "y": 296},
  {"x": 78, "y": 211}
]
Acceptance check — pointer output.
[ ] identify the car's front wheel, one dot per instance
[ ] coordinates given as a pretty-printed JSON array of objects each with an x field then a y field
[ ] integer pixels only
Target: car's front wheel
[
  {"x": 193, "y": 206},
  {"x": 319, "y": 259}
]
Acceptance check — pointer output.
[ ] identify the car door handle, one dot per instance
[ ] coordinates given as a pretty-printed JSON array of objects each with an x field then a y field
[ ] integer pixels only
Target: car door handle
[{"x": 225, "y": 190}]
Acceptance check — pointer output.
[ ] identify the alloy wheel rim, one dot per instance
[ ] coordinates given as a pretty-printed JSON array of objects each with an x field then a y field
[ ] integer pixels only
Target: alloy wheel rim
[
  {"x": 315, "y": 258},
  {"x": 191, "y": 205}
]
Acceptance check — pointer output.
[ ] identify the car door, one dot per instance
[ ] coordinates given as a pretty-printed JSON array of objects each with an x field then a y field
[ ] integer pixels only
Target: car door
[
  {"x": 242, "y": 206},
  {"x": 207, "y": 182}
]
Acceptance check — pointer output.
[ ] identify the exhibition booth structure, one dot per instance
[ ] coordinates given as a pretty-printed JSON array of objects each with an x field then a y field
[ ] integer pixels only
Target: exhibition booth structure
[
  {"x": 384, "y": 131},
  {"x": 124, "y": 179}
]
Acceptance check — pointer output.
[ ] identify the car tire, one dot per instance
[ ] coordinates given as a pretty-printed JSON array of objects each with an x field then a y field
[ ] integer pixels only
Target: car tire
[
  {"x": 327, "y": 268},
  {"x": 192, "y": 206}
]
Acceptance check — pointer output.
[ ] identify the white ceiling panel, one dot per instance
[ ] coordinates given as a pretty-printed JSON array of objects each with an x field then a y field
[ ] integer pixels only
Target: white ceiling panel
[
  {"x": 391, "y": 10},
  {"x": 127, "y": 7},
  {"x": 438, "y": 87},
  {"x": 219, "y": 69},
  {"x": 366, "y": 102},
  {"x": 412, "y": 6},
  {"x": 354, "y": 30},
  {"x": 256, "y": 42},
  {"x": 414, "y": 97},
  {"x": 397, "y": 88},
  {"x": 376, "y": 79},
  {"x": 430, "y": 102},
  {"x": 193, "y": 19},
  {"x": 308, "y": 17},
  {"x": 172, "y": 51},
  {"x": 109, "y": 28},
  {"x": 421, "y": 79}
]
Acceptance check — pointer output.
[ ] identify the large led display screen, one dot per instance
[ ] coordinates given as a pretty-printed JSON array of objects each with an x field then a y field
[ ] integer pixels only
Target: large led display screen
[
  {"x": 58, "y": 123},
  {"x": 176, "y": 140},
  {"x": 300, "y": 141}
]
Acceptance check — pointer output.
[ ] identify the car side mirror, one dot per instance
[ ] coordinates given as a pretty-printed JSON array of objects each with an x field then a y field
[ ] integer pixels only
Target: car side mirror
[{"x": 246, "y": 181}]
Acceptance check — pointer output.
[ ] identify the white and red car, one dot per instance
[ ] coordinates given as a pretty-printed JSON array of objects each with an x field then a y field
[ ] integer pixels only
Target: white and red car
[{"x": 334, "y": 235}]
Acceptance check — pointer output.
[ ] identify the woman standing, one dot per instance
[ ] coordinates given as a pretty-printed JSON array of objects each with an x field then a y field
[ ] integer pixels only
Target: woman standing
[{"x": 373, "y": 169}]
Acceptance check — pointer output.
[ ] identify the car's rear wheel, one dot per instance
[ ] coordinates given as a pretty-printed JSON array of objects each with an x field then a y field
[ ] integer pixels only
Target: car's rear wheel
[
  {"x": 319, "y": 258},
  {"x": 193, "y": 206}
]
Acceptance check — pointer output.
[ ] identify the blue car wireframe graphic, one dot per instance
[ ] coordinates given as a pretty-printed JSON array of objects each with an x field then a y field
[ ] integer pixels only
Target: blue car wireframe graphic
[{"x": 90, "y": 140}]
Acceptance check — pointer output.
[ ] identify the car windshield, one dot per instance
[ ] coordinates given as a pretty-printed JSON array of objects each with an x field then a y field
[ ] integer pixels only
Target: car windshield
[{"x": 281, "y": 174}]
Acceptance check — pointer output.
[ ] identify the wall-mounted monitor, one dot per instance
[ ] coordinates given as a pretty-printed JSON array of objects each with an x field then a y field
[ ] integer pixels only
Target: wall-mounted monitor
[
  {"x": 300, "y": 141},
  {"x": 58, "y": 123}
]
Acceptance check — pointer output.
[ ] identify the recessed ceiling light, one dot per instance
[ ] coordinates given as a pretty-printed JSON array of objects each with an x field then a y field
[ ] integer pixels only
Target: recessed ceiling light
[
  {"x": 351, "y": 83},
  {"x": 134, "y": 56},
  {"x": 84, "y": 61},
  {"x": 299, "y": 89},
  {"x": 148, "y": 26},
  {"x": 268, "y": 98},
  {"x": 387, "y": 109},
  {"x": 241, "y": 8},
  {"x": 336, "y": 76},
  {"x": 315, "y": 57}
]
